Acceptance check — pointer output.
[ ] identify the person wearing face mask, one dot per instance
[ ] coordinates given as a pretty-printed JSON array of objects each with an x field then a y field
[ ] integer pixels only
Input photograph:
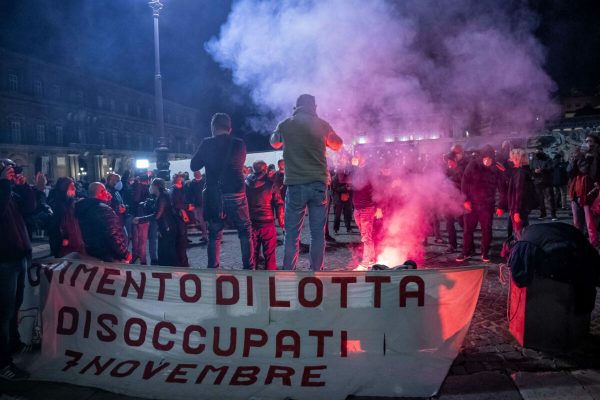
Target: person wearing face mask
[
  {"x": 63, "y": 230},
  {"x": 166, "y": 222},
  {"x": 139, "y": 233},
  {"x": 481, "y": 180},
  {"x": 102, "y": 230},
  {"x": 114, "y": 185},
  {"x": 584, "y": 169}
]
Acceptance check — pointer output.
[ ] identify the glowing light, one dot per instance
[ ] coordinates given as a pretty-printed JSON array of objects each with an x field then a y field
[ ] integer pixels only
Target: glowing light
[
  {"x": 362, "y": 140},
  {"x": 142, "y": 164},
  {"x": 389, "y": 139},
  {"x": 354, "y": 347}
]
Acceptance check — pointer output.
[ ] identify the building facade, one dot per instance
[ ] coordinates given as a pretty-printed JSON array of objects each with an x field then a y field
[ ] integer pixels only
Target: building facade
[{"x": 64, "y": 123}]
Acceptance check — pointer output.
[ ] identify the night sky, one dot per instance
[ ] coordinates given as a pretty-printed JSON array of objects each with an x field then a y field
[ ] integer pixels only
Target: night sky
[{"x": 113, "y": 39}]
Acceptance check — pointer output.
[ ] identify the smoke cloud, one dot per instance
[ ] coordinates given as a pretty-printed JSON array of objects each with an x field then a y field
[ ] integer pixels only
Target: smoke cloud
[
  {"x": 389, "y": 67},
  {"x": 385, "y": 70}
]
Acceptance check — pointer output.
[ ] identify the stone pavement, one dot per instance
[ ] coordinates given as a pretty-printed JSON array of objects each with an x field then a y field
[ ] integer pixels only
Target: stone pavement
[{"x": 491, "y": 365}]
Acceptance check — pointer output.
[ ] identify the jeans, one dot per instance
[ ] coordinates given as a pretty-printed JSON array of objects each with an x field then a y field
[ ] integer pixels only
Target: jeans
[
  {"x": 12, "y": 284},
  {"x": 584, "y": 218},
  {"x": 365, "y": 217},
  {"x": 484, "y": 216},
  {"x": 236, "y": 209},
  {"x": 264, "y": 237},
  {"x": 140, "y": 238},
  {"x": 298, "y": 198},
  {"x": 152, "y": 239}
]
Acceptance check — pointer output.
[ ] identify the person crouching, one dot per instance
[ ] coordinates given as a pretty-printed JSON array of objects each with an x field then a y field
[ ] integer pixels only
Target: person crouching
[{"x": 259, "y": 191}]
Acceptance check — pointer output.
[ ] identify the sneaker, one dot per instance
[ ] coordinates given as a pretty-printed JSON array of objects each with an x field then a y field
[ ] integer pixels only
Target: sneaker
[
  {"x": 362, "y": 267},
  {"x": 542, "y": 218},
  {"x": 554, "y": 219},
  {"x": 450, "y": 250},
  {"x": 485, "y": 259},
  {"x": 13, "y": 373},
  {"x": 462, "y": 258}
]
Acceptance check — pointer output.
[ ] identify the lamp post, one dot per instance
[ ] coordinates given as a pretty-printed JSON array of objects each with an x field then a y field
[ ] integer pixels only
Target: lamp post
[{"x": 162, "y": 150}]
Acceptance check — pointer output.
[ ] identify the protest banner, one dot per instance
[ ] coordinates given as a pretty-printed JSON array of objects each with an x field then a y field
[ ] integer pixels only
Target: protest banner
[{"x": 169, "y": 333}]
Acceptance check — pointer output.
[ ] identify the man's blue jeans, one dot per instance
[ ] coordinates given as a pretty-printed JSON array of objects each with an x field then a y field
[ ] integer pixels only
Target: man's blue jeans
[
  {"x": 297, "y": 199},
  {"x": 12, "y": 284},
  {"x": 236, "y": 208}
]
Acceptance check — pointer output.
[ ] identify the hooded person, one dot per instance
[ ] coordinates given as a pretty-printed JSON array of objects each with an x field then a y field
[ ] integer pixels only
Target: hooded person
[
  {"x": 260, "y": 192},
  {"x": 480, "y": 183},
  {"x": 64, "y": 233}
]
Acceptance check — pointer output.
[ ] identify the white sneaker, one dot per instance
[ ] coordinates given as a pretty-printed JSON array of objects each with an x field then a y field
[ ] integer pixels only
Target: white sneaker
[{"x": 362, "y": 267}]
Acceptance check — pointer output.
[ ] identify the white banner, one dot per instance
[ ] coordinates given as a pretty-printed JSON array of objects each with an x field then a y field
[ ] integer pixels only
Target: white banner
[{"x": 169, "y": 333}]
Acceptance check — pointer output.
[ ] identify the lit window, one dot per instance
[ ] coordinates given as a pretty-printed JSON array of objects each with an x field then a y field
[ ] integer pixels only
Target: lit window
[{"x": 13, "y": 82}]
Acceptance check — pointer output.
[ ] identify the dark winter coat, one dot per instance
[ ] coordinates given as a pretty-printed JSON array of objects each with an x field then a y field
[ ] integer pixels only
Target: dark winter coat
[
  {"x": 542, "y": 162},
  {"x": 211, "y": 155},
  {"x": 102, "y": 230},
  {"x": 116, "y": 202},
  {"x": 193, "y": 191},
  {"x": 520, "y": 193},
  {"x": 259, "y": 191},
  {"x": 480, "y": 184},
  {"x": 559, "y": 173},
  {"x": 63, "y": 225},
  {"x": 15, "y": 204},
  {"x": 341, "y": 187},
  {"x": 164, "y": 215}
]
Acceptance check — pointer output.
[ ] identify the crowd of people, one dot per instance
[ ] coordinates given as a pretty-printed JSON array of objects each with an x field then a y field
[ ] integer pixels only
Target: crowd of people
[{"x": 138, "y": 219}]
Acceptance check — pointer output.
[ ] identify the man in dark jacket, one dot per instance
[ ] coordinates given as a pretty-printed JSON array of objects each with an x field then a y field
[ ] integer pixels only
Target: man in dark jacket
[
  {"x": 481, "y": 180},
  {"x": 542, "y": 178},
  {"x": 223, "y": 156},
  {"x": 279, "y": 189},
  {"x": 101, "y": 228},
  {"x": 341, "y": 186},
  {"x": 193, "y": 191},
  {"x": 17, "y": 200},
  {"x": 559, "y": 181},
  {"x": 114, "y": 185},
  {"x": 259, "y": 190}
]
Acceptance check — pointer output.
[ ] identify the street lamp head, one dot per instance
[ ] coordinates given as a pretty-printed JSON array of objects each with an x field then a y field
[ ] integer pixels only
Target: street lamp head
[{"x": 156, "y": 6}]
